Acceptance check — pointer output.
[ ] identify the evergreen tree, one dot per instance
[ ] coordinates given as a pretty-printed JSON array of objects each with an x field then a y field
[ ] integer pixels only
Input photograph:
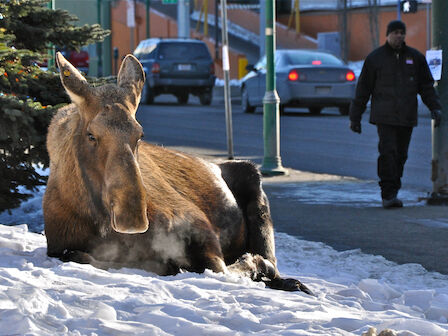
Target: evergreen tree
[{"x": 30, "y": 96}]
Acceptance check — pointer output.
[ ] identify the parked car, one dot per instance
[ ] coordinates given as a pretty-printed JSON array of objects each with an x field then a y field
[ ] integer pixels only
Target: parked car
[
  {"x": 79, "y": 59},
  {"x": 178, "y": 67},
  {"x": 304, "y": 78}
]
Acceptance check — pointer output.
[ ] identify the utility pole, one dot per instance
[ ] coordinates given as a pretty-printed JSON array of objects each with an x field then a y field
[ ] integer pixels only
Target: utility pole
[
  {"x": 148, "y": 14},
  {"x": 183, "y": 18},
  {"x": 99, "y": 46},
  {"x": 262, "y": 27},
  {"x": 131, "y": 23},
  {"x": 226, "y": 70},
  {"x": 52, "y": 51},
  {"x": 440, "y": 134},
  {"x": 272, "y": 163},
  {"x": 216, "y": 30},
  {"x": 344, "y": 31}
]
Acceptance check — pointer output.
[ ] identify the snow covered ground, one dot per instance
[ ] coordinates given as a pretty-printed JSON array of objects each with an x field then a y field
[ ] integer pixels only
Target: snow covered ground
[{"x": 354, "y": 292}]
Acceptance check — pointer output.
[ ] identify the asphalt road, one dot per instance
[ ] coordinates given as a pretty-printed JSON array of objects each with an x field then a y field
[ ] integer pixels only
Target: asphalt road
[{"x": 320, "y": 144}]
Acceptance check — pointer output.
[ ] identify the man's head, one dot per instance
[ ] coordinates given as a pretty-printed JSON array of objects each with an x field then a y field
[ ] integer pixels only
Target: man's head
[{"x": 396, "y": 32}]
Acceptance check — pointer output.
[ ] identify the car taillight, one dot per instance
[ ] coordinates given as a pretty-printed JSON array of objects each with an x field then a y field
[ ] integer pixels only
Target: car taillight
[
  {"x": 316, "y": 62},
  {"x": 350, "y": 76},
  {"x": 155, "y": 68},
  {"x": 212, "y": 69},
  {"x": 293, "y": 75}
]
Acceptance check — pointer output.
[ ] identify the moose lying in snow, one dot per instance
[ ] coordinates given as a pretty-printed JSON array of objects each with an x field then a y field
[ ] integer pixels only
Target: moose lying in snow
[{"x": 115, "y": 201}]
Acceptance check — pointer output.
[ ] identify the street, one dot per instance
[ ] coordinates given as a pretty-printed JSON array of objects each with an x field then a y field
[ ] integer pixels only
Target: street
[{"x": 320, "y": 144}]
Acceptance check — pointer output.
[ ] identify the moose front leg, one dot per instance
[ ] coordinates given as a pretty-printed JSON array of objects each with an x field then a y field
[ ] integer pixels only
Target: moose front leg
[
  {"x": 82, "y": 257},
  {"x": 205, "y": 253},
  {"x": 260, "y": 269},
  {"x": 153, "y": 266},
  {"x": 254, "y": 266}
]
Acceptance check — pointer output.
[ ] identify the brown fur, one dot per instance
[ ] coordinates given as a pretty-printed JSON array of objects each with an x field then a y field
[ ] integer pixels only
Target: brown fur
[{"x": 115, "y": 201}]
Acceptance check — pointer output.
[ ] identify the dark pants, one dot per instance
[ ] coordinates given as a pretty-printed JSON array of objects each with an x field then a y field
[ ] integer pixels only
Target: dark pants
[{"x": 393, "y": 149}]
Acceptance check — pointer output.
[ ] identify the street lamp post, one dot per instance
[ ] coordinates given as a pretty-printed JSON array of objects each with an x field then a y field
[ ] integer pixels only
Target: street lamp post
[
  {"x": 226, "y": 70},
  {"x": 439, "y": 134},
  {"x": 52, "y": 51},
  {"x": 99, "y": 46},
  {"x": 148, "y": 17},
  {"x": 272, "y": 164}
]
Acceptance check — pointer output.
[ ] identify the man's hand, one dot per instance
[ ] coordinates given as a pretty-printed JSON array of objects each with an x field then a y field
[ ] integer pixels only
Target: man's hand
[
  {"x": 355, "y": 126},
  {"x": 436, "y": 115}
]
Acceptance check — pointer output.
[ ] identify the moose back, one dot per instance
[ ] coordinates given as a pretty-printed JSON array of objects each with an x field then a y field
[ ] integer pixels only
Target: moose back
[{"x": 115, "y": 201}]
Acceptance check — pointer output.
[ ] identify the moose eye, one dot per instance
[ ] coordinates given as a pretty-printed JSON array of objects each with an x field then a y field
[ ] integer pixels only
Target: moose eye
[
  {"x": 91, "y": 137},
  {"x": 142, "y": 136}
]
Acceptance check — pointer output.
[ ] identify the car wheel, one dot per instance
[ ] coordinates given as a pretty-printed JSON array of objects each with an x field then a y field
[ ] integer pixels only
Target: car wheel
[
  {"x": 246, "y": 107},
  {"x": 315, "y": 110},
  {"x": 205, "y": 98},
  {"x": 344, "y": 110},
  {"x": 182, "y": 98},
  {"x": 147, "y": 95}
]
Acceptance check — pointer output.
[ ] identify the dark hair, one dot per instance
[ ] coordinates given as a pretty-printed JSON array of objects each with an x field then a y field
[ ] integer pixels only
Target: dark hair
[{"x": 395, "y": 25}]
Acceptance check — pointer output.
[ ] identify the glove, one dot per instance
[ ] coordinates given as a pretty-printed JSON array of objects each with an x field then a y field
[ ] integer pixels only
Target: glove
[
  {"x": 355, "y": 126},
  {"x": 436, "y": 115}
]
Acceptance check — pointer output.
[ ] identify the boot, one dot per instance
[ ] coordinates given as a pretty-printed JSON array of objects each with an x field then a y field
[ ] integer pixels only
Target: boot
[{"x": 393, "y": 202}]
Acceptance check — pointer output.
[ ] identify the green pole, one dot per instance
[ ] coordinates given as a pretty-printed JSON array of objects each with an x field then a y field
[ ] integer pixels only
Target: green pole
[
  {"x": 99, "y": 49},
  {"x": 106, "y": 48},
  {"x": 52, "y": 50},
  {"x": 272, "y": 164},
  {"x": 148, "y": 13},
  {"x": 226, "y": 70},
  {"x": 440, "y": 134}
]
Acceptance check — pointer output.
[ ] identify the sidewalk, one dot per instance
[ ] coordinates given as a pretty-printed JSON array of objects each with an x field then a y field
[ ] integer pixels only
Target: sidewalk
[{"x": 346, "y": 213}]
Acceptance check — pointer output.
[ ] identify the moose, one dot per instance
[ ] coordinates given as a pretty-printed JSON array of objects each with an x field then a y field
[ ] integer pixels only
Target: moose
[{"x": 113, "y": 200}]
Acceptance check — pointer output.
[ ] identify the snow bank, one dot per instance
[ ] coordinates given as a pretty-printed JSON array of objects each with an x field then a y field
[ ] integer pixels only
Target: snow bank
[{"x": 43, "y": 296}]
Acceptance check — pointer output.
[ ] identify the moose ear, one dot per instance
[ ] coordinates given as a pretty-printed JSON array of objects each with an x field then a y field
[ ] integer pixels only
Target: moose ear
[
  {"x": 132, "y": 77},
  {"x": 74, "y": 83}
]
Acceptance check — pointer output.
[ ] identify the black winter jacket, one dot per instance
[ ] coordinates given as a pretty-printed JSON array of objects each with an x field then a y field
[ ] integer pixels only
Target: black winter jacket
[{"x": 393, "y": 79}]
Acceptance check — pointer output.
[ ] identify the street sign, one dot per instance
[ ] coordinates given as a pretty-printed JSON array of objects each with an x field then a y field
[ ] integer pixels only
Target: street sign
[{"x": 169, "y": 2}]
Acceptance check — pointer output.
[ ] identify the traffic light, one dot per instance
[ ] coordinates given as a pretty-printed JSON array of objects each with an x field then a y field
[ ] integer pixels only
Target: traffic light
[{"x": 409, "y": 6}]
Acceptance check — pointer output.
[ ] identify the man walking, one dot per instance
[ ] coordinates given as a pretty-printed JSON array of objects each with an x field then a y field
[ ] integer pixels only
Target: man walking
[{"x": 393, "y": 75}]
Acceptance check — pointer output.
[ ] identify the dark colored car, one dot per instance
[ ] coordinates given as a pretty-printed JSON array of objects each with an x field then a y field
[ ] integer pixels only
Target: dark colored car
[
  {"x": 178, "y": 67},
  {"x": 304, "y": 78}
]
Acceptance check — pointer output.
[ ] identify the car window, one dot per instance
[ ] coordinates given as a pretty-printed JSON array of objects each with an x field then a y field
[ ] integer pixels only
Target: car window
[
  {"x": 184, "y": 51},
  {"x": 309, "y": 58},
  {"x": 261, "y": 64},
  {"x": 145, "y": 51}
]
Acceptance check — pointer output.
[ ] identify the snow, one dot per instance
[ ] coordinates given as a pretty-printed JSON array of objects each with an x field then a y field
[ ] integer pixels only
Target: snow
[{"x": 354, "y": 293}]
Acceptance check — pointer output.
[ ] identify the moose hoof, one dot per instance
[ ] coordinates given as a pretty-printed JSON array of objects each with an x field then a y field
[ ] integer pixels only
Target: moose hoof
[{"x": 290, "y": 285}]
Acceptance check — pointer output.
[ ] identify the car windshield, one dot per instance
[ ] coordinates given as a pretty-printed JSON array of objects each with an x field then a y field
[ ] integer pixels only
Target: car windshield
[
  {"x": 184, "y": 51},
  {"x": 311, "y": 58}
]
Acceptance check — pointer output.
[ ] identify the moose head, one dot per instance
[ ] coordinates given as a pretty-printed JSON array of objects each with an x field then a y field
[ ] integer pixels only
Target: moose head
[{"x": 106, "y": 143}]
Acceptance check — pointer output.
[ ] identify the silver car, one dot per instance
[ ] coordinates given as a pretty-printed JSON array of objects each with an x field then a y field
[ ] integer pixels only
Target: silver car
[{"x": 304, "y": 78}]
